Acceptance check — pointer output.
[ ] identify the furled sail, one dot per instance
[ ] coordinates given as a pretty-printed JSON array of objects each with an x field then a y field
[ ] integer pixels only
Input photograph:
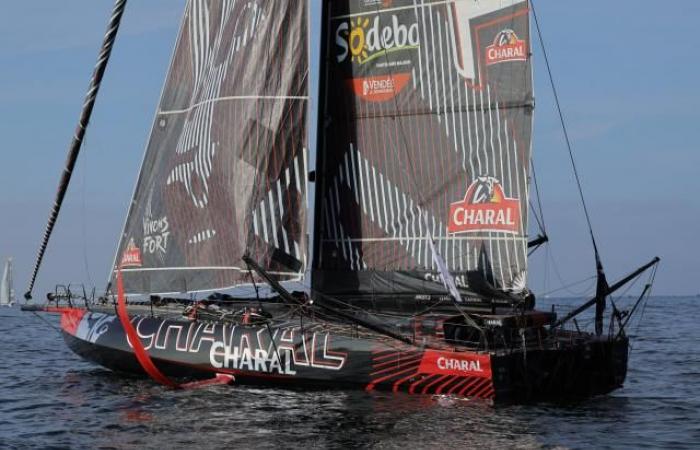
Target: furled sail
[
  {"x": 225, "y": 167},
  {"x": 7, "y": 293},
  {"x": 426, "y": 131}
]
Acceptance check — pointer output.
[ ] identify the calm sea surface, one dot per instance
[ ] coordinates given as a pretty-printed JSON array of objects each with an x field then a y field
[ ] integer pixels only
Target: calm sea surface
[{"x": 50, "y": 398}]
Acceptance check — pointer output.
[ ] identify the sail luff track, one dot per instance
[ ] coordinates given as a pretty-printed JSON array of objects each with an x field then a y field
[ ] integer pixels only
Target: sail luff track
[{"x": 77, "y": 141}]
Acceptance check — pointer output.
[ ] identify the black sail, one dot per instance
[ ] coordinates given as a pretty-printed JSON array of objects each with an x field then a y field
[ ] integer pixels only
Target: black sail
[
  {"x": 225, "y": 167},
  {"x": 426, "y": 129}
]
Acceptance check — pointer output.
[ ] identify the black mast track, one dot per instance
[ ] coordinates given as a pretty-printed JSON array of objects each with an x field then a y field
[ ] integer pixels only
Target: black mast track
[
  {"x": 76, "y": 143},
  {"x": 322, "y": 106}
]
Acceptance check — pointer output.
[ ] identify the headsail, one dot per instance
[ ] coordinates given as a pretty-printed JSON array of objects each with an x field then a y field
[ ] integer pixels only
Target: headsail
[
  {"x": 7, "y": 293},
  {"x": 426, "y": 133},
  {"x": 225, "y": 168}
]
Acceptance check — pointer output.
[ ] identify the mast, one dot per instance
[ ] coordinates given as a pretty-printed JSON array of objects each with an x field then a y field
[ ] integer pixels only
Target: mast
[
  {"x": 321, "y": 118},
  {"x": 77, "y": 141}
]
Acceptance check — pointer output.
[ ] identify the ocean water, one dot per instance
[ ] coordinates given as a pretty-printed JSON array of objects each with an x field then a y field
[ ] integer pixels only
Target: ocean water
[{"x": 50, "y": 398}]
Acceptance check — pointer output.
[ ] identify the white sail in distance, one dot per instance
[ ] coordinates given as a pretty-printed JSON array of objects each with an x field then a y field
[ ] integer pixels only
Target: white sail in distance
[{"x": 7, "y": 293}]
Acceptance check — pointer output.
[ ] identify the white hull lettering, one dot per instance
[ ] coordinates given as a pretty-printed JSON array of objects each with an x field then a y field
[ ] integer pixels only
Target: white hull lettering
[
  {"x": 483, "y": 217},
  {"x": 458, "y": 364}
]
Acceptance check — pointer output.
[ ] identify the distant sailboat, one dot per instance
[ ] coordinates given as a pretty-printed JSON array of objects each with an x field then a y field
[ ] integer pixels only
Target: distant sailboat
[{"x": 7, "y": 293}]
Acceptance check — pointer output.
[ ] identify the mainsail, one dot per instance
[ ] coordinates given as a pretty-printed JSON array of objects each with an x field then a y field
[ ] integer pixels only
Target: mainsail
[
  {"x": 224, "y": 172},
  {"x": 426, "y": 129},
  {"x": 7, "y": 293}
]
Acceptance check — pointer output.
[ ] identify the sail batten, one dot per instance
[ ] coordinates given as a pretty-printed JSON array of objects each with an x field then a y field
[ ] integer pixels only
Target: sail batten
[
  {"x": 428, "y": 136},
  {"x": 225, "y": 167}
]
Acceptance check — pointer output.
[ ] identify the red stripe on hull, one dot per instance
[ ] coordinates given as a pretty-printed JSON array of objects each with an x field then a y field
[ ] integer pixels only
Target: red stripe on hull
[
  {"x": 426, "y": 389},
  {"x": 426, "y": 378}
]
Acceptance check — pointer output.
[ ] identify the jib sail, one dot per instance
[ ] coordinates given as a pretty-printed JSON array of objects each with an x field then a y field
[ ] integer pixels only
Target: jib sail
[
  {"x": 225, "y": 167},
  {"x": 426, "y": 128}
]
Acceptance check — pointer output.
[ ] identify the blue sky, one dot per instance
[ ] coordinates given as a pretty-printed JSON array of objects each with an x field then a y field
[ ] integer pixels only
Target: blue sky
[{"x": 625, "y": 70}]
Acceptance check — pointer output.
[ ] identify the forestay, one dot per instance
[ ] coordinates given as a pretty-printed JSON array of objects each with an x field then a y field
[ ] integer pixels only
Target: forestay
[
  {"x": 426, "y": 132},
  {"x": 225, "y": 167}
]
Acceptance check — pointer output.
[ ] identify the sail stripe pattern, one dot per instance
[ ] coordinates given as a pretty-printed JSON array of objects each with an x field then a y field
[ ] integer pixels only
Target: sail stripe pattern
[
  {"x": 429, "y": 139},
  {"x": 271, "y": 210},
  {"x": 225, "y": 168}
]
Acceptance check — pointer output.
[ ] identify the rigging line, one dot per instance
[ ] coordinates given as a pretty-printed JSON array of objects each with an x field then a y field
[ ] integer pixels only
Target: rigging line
[
  {"x": 550, "y": 256},
  {"x": 540, "y": 225},
  {"x": 545, "y": 274},
  {"x": 86, "y": 262},
  {"x": 76, "y": 143},
  {"x": 568, "y": 287},
  {"x": 349, "y": 306},
  {"x": 55, "y": 328},
  {"x": 564, "y": 129},
  {"x": 652, "y": 279},
  {"x": 576, "y": 283},
  {"x": 539, "y": 198},
  {"x": 629, "y": 287}
]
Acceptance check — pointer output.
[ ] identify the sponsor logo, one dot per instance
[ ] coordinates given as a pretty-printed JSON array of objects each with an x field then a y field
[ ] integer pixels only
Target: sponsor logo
[
  {"x": 460, "y": 280},
  {"x": 376, "y": 46},
  {"x": 221, "y": 356},
  {"x": 506, "y": 47},
  {"x": 232, "y": 347},
  {"x": 379, "y": 88},
  {"x": 131, "y": 257},
  {"x": 362, "y": 39},
  {"x": 155, "y": 235},
  {"x": 460, "y": 364},
  {"x": 485, "y": 208}
]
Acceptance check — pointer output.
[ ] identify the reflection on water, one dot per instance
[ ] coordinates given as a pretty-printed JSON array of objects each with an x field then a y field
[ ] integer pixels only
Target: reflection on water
[{"x": 49, "y": 397}]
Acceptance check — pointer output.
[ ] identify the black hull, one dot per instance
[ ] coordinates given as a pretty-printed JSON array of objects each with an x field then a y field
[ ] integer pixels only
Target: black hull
[
  {"x": 316, "y": 356},
  {"x": 582, "y": 370}
]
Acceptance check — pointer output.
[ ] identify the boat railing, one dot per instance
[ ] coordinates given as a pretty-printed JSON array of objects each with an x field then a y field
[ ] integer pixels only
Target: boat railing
[{"x": 71, "y": 295}]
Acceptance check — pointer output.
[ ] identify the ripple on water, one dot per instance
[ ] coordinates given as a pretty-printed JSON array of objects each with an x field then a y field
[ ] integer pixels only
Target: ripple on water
[{"x": 51, "y": 398}]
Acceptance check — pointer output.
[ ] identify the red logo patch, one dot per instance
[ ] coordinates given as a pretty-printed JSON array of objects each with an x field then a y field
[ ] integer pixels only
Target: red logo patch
[
  {"x": 506, "y": 47},
  {"x": 453, "y": 363},
  {"x": 485, "y": 208},
  {"x": 379, "y": 88},
  {"x": 131, "y": 256}
]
